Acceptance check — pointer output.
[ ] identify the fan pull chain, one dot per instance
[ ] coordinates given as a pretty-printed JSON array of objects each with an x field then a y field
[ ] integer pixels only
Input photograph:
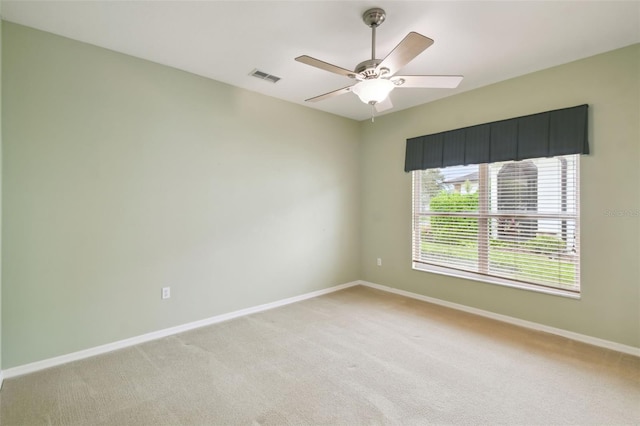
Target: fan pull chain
[{"x": 373, "y": 112}]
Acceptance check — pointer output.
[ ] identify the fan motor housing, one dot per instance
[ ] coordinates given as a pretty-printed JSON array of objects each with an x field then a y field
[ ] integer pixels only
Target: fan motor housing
[{"x": 368, "y": 68}]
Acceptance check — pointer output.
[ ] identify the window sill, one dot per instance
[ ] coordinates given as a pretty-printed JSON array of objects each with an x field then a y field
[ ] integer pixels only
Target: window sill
[{"x": 494, "y": 280}]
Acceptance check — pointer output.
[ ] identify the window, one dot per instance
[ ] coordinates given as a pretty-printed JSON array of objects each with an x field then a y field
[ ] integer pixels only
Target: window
[
  {"x": 515, "y": 223},
  {"x": 512, "y": 217}
]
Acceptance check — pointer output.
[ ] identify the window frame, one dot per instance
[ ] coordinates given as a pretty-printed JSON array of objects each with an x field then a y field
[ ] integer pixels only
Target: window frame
[{"x": 484, "y": 216}]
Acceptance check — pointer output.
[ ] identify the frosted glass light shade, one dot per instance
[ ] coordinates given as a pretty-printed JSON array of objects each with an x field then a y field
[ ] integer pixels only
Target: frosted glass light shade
[{"x": 374, "y": 90}]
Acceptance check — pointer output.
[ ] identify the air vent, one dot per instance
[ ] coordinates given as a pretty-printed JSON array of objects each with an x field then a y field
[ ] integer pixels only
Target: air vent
[{"x": 264, "y": 76}]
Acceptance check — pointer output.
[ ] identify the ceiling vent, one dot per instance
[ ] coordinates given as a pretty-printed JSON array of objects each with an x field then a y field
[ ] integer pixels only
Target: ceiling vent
[{"x": 264, "y": 76}]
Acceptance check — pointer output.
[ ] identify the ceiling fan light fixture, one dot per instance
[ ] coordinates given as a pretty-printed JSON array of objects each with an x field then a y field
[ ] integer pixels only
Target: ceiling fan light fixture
[
  {"x": 373, "y": 91},
  {"x": 377, "y": 78}
]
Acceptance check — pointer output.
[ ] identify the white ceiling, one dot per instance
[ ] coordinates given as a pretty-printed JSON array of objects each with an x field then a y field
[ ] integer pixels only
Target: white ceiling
[{"x": 486, "y": 41}]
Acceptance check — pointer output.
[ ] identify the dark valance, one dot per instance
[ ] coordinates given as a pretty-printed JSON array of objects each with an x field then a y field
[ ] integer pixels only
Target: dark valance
[{"x": 546, "y": 134}]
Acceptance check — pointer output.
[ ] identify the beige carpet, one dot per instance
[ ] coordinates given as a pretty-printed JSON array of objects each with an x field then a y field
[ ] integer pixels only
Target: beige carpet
[{"x": 358, "y": 356}]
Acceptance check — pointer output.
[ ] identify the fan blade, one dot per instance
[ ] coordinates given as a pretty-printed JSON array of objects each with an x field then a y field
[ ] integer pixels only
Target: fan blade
[
  {"x": 410, "y": 47},
  {"x": 428, "y": 81},
  {"x": 330, "y": 94},
  {"x": 384, "y": 105},
  {"x": 325, "y": 66}
]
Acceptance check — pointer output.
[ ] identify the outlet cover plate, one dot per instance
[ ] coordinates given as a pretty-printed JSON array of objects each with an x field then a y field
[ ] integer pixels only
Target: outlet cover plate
[{"x": 166, "y": 292}]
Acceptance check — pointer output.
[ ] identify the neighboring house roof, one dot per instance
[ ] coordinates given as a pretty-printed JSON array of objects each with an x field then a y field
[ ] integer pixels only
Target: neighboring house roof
[{"x": 471, "y": 177}]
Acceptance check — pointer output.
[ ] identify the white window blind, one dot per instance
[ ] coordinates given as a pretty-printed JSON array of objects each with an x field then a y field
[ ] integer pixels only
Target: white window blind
[{"x": 515, "y": 220}]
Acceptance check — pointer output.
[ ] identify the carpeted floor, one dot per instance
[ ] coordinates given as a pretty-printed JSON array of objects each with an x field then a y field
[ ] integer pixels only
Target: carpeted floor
[{"x": 354, "y": 357}]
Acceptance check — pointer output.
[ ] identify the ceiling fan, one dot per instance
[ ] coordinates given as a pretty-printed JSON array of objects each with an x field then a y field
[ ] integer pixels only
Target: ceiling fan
[{"x": 376, "y": 77}]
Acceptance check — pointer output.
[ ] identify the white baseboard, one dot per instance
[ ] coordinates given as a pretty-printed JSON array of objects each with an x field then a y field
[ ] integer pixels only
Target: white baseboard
[
  {"x": 631, "y": 350},
  {"x": 98, "y": 350}
]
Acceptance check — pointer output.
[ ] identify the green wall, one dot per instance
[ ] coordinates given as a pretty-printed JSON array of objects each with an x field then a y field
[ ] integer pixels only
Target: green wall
[
  {"x": 122, "y": 176},
  {"x": 0, "y": 193},
  {"x": 610, "y": 180}
]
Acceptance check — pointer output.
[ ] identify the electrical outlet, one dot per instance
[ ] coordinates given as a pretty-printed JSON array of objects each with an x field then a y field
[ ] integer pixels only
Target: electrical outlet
[
  {"x": 379, "y": 261},
  {"x": 166, "y": 292}
]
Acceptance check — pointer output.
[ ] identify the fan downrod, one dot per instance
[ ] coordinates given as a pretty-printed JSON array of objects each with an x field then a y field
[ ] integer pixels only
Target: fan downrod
[{"x": 373, "y": 18}]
